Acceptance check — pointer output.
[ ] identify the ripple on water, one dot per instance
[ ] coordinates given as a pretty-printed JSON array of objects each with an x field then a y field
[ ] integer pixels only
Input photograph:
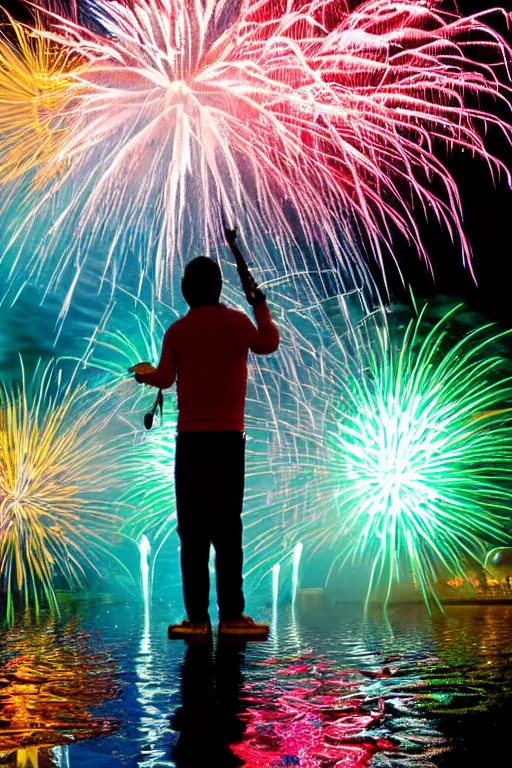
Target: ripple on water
[
  {"x": 329, "y": 690},
  {"x": 53, "y": 676}
]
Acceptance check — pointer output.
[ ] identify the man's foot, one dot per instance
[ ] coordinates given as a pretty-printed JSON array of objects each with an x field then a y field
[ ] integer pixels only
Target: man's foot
[
  {"x": 244, "y": 627},
  {"x": 190, "y": 629}
]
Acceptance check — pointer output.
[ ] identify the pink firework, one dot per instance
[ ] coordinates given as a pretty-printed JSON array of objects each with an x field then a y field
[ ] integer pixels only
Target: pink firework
[{"x": 302, "y": 120}]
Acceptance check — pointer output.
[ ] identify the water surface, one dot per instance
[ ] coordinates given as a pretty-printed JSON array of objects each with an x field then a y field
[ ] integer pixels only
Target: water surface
[{"x": 330, "y": 689}]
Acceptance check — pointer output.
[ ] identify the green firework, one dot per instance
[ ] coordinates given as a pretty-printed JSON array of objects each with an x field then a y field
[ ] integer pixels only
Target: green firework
[
  {"x": 420, "y": 458},
  {"x": 147, "y": 468}
]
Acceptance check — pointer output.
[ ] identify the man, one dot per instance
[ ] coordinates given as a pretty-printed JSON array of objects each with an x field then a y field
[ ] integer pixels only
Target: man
[{"x": 206, "y": 352}]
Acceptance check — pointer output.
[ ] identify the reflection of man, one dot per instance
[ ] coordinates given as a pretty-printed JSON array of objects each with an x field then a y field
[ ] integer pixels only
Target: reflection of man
[
  {"x": 206, "y": 351},
  {"x": 209, "y": 718}
]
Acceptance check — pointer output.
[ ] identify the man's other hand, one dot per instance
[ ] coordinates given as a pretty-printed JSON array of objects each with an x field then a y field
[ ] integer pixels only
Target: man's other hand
[{"x": 139, "y": 370}]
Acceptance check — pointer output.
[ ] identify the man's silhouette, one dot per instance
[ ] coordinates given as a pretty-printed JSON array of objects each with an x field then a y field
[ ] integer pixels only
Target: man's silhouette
[{"x": 206, "y": 352}]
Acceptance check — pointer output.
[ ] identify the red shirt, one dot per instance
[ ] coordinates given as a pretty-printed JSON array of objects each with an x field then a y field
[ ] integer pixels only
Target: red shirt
[{"x": 206, "y": 351}]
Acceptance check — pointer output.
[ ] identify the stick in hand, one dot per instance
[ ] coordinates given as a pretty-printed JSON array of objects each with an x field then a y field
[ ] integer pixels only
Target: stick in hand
[{"x": 254, "y": 295}]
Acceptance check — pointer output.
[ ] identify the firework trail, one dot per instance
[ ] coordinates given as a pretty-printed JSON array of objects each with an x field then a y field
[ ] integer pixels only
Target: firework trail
[
  {"x": 408, "y": 465},
  {"x": 54, "y": 471},
  {"x": 279, "y": 115},
  {"x": 130, "y": 330}
]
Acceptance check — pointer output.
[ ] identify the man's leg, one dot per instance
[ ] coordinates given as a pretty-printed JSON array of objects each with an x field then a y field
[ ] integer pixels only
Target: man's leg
[
  {"x": 227, "y": 524},
  {"x": 192, "y": 528}
]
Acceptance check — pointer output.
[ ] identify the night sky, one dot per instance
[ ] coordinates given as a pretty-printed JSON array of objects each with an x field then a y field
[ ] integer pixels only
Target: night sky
[{"x": 487, "y": 206}]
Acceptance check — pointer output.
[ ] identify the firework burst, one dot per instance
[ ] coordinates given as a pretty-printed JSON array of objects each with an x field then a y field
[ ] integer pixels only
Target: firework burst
[
  {"x": 411, "y": 467},
  {"x": 53, "y": 472},
  {"x": 34, "y": 90},
  {"x": 277, "y": 115}
]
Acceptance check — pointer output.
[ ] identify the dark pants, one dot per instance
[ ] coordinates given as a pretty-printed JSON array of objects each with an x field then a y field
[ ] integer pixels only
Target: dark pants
[{"x": 210, "y": 468}]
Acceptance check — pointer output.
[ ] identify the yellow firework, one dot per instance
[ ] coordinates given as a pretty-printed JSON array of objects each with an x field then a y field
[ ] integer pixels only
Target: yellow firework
[
  {"x": 35, "y": 87},
  {"x": 54, "y": 471}
]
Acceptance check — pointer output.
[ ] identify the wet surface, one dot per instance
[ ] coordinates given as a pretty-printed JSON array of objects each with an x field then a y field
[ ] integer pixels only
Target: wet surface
[{"x": 330, "y": 689}]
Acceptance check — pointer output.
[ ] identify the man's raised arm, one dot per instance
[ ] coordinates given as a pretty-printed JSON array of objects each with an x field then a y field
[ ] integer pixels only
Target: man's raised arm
[{"x": 265, "y": 338}]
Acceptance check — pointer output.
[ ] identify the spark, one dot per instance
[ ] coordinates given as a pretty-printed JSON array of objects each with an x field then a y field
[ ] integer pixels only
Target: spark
[{"x": 274, "y": 115}]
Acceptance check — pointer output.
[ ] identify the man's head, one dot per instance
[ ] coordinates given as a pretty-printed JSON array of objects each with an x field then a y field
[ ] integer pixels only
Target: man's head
[{"x": 202, "y": 283}]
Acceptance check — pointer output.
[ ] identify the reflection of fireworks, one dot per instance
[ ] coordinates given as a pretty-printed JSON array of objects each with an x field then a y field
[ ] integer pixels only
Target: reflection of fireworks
[
  {"x": 303, "y": 711},
  {"x": 397, "y": 469},
  {"x": 321, "y": 719},
  {"x": 279, "y": 114},
  {"x": 34, "y": 88},
  {"x": 52, "y": 677},
  {"x": 53, "y": 470}
]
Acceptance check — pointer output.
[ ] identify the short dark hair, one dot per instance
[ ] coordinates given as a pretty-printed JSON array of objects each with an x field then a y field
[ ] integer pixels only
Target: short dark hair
[{"x": 202, "y": 282}]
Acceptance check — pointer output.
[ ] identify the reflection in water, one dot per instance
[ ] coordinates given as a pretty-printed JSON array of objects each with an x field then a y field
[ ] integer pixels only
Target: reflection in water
[
  {"x": 51, "y": 678},
  {"x": 32, "y": 757},
  {"x": 61, "y": 757},
  {"x": 330, "y": 690},
  {"x": 209, "y": 719},
  {"x": 153, "y": 690},
  {"x": 374, "y": 697},
  {"x": 463, "y": 668},
  {"x": 474, "y": 650},
  {"x": 309, "y": 713},
  {"x": 292, "y": 711}
]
